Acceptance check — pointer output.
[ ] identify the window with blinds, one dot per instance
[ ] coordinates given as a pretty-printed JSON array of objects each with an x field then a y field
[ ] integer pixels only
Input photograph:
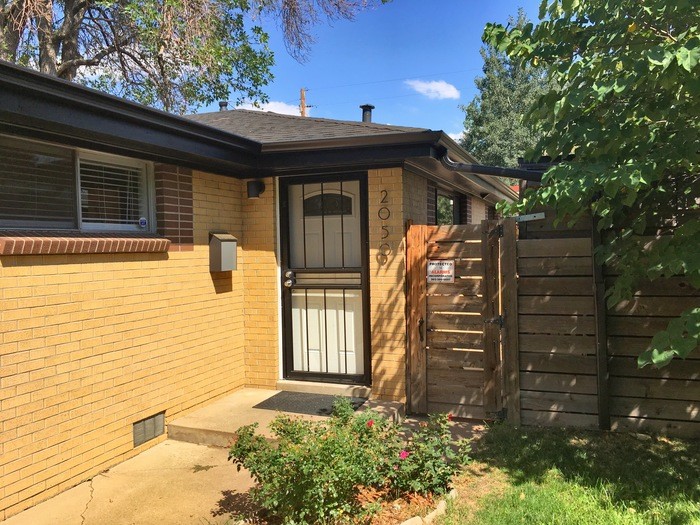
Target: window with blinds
[
  {"x": 111, "y": 195},
  {"x": 37, "y": 185},
  {"x": 40, "y": 189}
]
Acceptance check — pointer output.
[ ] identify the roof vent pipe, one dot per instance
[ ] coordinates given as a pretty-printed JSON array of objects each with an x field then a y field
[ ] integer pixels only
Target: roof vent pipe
[
  {"x": 223, "y": 105},
  {"x": 367, "y": 112}
]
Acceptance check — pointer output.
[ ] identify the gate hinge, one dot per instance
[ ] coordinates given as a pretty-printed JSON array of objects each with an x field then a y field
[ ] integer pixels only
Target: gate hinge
[{"x": 496, "y": 320}]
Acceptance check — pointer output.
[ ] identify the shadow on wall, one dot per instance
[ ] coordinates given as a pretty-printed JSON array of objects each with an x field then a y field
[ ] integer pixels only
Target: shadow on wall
[
  {"x": 389, "y": 329},
  {"x": 222, "y": 281}
]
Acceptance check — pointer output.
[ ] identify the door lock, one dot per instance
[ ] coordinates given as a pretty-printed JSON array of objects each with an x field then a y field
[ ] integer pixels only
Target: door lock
[{"x": 289, "y": 279}]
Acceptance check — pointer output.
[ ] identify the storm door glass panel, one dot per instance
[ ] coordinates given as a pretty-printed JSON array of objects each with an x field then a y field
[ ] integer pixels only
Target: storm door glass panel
[
  {"x": 324, "y": 223},
  {"x": 327, "y": 331}
]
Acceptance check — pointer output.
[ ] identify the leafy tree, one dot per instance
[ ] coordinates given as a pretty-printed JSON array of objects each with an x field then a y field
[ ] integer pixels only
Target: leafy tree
[
  {"x": 625, "y": 101},
  {"x": 445, "y": 210},
  {"x": 493, "y": 127},
  {"x": 173, "y": 54}
]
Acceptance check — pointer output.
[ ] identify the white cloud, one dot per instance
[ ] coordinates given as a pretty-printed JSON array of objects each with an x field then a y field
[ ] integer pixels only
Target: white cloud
[
  {"x": 275, "y": 107},
  {"x": 435, "y": 89},
  {"x": 456, "y": 136}
]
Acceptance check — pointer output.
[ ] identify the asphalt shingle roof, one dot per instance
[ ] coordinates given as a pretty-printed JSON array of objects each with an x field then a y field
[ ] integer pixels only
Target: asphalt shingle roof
[{"x": 266, "y": 127}]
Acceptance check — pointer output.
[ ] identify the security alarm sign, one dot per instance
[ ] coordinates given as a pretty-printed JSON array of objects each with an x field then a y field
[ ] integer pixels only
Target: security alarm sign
[{"x": 441, "y": 271}]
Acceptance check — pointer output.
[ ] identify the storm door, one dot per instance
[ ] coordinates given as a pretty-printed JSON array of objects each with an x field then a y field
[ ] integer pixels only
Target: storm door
[{"x": 324, "y": 278}]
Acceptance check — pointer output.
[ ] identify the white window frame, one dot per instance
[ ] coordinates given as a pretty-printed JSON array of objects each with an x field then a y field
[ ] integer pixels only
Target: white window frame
[
  {"x": 147, "y": 191},
  {"x": 147, "y": 196}
]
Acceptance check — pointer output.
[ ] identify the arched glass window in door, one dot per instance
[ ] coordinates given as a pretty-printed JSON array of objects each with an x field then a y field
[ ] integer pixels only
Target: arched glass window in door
[{"x": 325, "y": 225}]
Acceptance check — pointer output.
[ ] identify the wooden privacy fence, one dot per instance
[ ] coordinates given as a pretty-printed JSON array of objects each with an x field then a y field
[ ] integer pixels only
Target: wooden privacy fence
[{"x": 525, "y": 328}]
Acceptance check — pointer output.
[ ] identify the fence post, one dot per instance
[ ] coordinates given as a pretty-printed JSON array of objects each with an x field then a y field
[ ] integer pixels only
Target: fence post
[
  {"x": 601, "y": 333},
  {"x": 416, "y": 268},
  {"x": 490, "y": 234},
  {"x": 509, "y": 336}
]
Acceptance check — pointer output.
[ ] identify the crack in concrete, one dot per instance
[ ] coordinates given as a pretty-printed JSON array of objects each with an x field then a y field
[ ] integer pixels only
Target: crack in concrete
[{"x": 92, "y": 493}]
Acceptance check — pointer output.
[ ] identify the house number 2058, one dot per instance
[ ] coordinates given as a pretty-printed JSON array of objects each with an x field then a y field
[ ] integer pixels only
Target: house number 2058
[{"x": 384, "y": 213}]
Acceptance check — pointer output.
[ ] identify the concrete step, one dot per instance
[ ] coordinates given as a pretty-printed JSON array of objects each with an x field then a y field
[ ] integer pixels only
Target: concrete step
[
  {"x": 392, "y": 410},
  {"x": 216, "y": 424},
  {"x": 331, "y": 389}
]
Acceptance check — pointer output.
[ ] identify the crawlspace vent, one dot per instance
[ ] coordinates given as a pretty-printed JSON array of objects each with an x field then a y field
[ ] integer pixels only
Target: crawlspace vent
[{"x": 149, "y": 428}]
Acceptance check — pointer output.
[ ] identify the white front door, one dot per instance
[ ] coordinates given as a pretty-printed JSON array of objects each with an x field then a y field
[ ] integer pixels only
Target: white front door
[{"x": 324, "y": 277}]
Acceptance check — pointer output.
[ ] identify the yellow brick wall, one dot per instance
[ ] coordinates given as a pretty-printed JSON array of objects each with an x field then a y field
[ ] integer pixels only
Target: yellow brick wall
[
  {"x": 92, "y": 343},
  {"x": 261, "y": 289},
  {"x": 478, "y": 210},
  {"x": 405, "y": 197},
  {"x": 415, "y": 197},
  {"x": 387, "y": 295}
]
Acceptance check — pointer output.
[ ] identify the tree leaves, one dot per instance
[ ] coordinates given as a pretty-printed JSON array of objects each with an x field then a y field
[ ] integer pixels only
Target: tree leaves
[
  {"x": 493, "y": 128},
  {"x": 624, "y": 100},
  {"x": 172, "y": 54}
]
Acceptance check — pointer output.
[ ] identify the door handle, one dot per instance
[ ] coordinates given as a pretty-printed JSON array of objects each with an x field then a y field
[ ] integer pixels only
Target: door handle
[{"x": 421, "y": 329}]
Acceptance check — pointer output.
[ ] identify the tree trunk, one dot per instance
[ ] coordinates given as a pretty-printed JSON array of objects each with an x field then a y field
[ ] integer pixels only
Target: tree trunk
[
  {"x": 10, "y": 29},
  {"x": 74, "y": 12},
  {"x": 45, "y": 35}
]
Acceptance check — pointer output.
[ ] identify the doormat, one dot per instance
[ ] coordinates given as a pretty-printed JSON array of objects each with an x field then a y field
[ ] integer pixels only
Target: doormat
[{"x": 303, "y": 403}]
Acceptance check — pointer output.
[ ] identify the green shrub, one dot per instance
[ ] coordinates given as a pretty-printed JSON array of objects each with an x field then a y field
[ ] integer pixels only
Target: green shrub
[
  {"x": 429, "y": 459},
  {"x": 313, "y": 471}
]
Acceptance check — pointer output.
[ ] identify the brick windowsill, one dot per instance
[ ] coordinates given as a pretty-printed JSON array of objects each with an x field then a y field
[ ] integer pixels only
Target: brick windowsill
[{"x": 67, "y": 242}]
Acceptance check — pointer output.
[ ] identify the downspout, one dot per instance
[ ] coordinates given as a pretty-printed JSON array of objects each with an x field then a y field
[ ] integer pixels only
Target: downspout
[{"x": 494, "y": 171}]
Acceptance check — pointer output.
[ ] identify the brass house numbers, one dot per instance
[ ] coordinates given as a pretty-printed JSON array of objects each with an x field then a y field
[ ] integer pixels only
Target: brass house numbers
[{"x": 384, "y": 213}]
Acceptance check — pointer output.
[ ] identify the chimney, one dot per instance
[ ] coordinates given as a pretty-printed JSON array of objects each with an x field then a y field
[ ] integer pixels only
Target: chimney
[
  {"x": 223, "y": 105},
  {"x": 367, "y": 112}
]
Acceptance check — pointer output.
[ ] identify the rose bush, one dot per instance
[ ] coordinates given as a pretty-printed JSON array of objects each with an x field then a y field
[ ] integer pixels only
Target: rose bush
[{"x": 312, "y": 472}]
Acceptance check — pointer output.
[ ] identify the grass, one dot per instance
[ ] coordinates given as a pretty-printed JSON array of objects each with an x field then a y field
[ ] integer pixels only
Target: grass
[{"x": 558, "y": 476}]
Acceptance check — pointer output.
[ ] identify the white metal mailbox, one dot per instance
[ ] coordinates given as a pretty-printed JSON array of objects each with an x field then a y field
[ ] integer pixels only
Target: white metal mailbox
[{"x": 222, "y": 252}]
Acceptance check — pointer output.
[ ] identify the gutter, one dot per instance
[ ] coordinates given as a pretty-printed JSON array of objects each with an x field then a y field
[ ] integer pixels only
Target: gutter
[{"x": 491, "y": 171}]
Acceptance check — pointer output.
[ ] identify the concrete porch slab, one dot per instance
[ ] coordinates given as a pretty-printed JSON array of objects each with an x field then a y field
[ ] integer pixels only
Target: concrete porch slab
[
  {"x": 216, "y": 424},
  {"x": 172, "y": 483}
]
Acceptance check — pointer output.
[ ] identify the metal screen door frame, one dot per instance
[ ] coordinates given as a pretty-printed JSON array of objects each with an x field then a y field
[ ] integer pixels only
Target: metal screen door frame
[{"x": 298, "y": 272}]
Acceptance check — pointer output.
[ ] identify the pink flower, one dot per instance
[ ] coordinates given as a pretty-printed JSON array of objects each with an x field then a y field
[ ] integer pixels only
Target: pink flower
[
  {"x": 449, "y": 417},
  {"x": 403, "y": 454},
  {"x": 370, "y": 423}
]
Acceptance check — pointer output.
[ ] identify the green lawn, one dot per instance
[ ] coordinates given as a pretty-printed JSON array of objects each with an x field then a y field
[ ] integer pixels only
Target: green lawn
[{"x": 554, "y": 476}]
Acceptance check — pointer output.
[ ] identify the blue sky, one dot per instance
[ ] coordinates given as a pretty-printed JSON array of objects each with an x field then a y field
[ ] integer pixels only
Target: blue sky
[{"x": 415, "y": 60}]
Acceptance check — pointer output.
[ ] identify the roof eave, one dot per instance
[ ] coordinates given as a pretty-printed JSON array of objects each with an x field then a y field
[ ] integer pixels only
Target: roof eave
[
  {"x": 371, "y": 151},
  {"x": 43, "y": 107}
]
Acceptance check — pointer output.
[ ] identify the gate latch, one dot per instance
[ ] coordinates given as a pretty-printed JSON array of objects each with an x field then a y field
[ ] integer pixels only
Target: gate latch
[
  {"x": 498, "y": 231},
  {"x": 496, "y": 320}
]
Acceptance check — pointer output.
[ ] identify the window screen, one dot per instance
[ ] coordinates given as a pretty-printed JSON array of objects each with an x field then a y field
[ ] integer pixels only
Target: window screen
[
  {"x": 37, "y": 185},
  {"x": 110, "y": 194}
]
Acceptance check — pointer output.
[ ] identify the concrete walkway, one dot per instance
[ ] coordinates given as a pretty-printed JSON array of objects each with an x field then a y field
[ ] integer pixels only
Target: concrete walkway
[{"x": 173, "y": 483}]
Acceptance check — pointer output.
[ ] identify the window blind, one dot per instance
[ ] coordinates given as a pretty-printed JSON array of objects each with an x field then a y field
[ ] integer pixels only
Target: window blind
[
  {"x": 37, "y": 185},
  {"x": 110, "y": 194}
]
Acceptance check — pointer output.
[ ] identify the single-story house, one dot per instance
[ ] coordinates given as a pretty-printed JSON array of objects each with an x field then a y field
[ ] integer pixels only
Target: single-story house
[{"x": 150, "y": 264}]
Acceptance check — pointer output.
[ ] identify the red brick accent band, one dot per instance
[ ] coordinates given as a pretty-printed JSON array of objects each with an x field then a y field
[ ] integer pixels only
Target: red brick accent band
[
  {"x": 174, "y": 203},
  {"x": 53, "y": 243}
]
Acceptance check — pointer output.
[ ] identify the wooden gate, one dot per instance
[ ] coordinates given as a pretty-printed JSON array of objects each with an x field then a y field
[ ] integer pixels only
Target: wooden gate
[{"x": 461, "y": 295}]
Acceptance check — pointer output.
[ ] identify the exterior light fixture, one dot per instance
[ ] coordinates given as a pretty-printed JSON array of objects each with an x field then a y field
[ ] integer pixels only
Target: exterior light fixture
[{"x": 255, "y": 188}]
